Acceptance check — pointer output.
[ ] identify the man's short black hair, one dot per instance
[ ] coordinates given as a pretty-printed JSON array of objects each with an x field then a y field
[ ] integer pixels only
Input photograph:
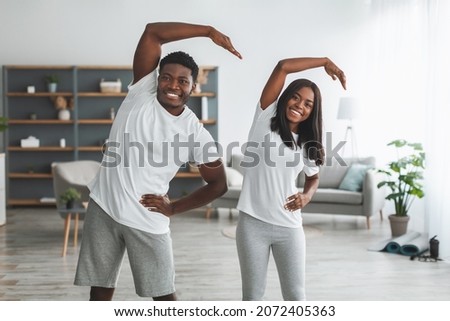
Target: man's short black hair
[{"x": 181, "y": 58}]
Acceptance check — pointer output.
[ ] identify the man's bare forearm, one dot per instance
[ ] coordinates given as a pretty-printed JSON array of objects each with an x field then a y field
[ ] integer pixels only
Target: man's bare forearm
[
  {"x": 204, "y": 195},
  {"x": 172, "y": 31}
]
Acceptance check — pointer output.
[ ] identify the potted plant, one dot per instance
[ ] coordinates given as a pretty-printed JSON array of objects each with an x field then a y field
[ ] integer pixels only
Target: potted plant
[
  {"x": 403, "y": 178},
  {"x": 70, "y": 196},
  {"x": 3, "y": 123},
  {"x": 52, "y": 82}
]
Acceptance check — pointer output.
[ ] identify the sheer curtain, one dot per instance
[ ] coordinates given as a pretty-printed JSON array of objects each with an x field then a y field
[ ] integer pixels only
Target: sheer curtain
[
  {"x": 438, "y": 127},
  {"x": 396, "y": 83},
  {"x": 407, "y": 95}
]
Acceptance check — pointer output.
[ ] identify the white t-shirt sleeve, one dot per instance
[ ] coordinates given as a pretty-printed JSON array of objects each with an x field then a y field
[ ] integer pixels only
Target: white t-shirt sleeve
[
  {"x": 262, "y": 116},
  {"x": 147, "y": 83},
  {"x": 206, "y": 151},
  {"x": 265, "y": 114},
  {"x": 309, "y": 168}
]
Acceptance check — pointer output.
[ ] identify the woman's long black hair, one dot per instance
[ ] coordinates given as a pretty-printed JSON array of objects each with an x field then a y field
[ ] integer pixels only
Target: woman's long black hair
[{"x": 310, "y": 130}]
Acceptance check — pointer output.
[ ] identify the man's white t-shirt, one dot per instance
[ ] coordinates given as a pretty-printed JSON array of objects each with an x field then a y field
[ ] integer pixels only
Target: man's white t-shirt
[
  {"x": 271, "y": 170},
  {"x": 146, "y": 147}
]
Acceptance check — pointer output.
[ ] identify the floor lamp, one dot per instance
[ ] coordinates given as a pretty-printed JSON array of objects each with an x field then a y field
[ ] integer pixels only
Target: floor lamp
[{"x": 348, "y": 110}]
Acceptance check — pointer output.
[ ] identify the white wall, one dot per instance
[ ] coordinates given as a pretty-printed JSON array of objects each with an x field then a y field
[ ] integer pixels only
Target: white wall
[{"x": 106, "y": 32}]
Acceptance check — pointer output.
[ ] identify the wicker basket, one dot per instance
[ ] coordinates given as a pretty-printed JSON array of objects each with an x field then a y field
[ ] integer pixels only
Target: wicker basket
[{"x": 110, "y": 86}]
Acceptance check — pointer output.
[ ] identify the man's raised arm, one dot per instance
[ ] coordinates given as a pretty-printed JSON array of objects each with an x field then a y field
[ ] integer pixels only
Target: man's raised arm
[{"x": 148, "y": 51}]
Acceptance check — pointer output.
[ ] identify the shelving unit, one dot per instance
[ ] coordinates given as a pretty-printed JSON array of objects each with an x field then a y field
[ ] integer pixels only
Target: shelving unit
[{"x": 28, "y": 170}]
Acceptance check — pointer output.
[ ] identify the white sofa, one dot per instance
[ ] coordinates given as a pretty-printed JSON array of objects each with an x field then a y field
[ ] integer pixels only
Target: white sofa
[{"x": 331, "y": 197}]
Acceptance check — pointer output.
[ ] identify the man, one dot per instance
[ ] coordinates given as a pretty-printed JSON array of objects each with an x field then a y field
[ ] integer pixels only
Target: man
[{"x": 152, "y": 135}]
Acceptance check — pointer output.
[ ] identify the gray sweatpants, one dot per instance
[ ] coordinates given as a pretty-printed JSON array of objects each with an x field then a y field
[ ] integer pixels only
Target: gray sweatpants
[{"x": 255, "y": 239}]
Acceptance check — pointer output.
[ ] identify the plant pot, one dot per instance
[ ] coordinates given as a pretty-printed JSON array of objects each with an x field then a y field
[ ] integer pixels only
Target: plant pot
[
  {"x": 70, "y": 204},
  {"x": 52, "y": 87},
  {"x": 399, "y": 224}
]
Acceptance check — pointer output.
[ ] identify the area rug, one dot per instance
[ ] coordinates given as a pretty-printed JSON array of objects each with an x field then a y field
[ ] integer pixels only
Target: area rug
[{"x": 310, "y": 231}]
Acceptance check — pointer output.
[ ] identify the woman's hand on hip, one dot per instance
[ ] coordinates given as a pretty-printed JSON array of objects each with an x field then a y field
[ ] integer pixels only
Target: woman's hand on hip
[{"x": 296, "y": 202}]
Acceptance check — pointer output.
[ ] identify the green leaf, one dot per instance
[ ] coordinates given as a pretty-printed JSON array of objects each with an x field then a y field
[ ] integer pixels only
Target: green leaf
[
  {"x": 398, "y": 143},
  {"x": 404, "y": 175},
  {"x": 3, "y": 123},
  {"x": 416, "y": 146}
]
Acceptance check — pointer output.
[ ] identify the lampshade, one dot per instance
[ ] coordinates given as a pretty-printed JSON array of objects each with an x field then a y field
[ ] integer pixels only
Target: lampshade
[{"x": 348, "y": 108}]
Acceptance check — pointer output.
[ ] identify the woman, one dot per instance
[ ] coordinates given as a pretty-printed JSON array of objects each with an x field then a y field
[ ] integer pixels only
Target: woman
[{"x": 285, "y": 138}]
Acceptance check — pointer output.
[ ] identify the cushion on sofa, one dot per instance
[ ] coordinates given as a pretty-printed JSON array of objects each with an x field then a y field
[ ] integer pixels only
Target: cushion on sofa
[
  {"x": 235, "y": 162},
  {"x": 234, "y": 178},
  {"x": 233, "y": 192},
  {"x": 337, "y": 196},
  {"x": 330, "y": 174},
  {"x": 354, "y": 177},
  {"x": 333, "y": 171}
]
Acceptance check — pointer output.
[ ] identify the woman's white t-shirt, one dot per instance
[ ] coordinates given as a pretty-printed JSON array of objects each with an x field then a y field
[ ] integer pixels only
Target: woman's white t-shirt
[
  {"x": 271, "y": 170},
  {"x": 146, "y": 147}
]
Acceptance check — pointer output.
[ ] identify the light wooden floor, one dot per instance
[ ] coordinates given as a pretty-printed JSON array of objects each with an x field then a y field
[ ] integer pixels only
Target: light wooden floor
[{"x": 339, "y": 267}]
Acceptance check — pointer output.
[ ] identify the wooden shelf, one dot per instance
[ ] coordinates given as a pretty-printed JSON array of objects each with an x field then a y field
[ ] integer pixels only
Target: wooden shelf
[
  {"x": 80, "y": 121},
  {"x": 203, "y": 94},
  {"x": 187, "y": 175},
  {"x": 208, "y": 121},
  {"x": 99, "y": 94},
  {"x": 39, "y": 122},
  {"x": 110, "y": 121},
  {"x": 30, "y": 175},
  {"x": 40, "y": 149},
  {"x": 40, "y": 67},
  {"x": 104, "y": 67},
  {"x": 28, "y": 202},
  {"x": 90, "y": 148},
  {"x": 39, "y": 94},
  {"x": 49, "y": 175},
  {"x": 95, "y": 121},
  {"x": 209, "y": 68}
]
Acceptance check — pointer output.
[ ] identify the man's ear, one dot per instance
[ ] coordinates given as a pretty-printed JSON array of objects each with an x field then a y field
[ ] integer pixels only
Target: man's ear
[{"x": 194, "y": 85}]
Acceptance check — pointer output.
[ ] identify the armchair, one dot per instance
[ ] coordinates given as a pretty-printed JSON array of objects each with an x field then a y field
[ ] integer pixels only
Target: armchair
[{"x": 75, "y": 174}]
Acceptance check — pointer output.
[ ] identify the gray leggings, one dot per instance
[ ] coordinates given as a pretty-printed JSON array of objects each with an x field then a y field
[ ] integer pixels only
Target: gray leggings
[{"x": 255, "y": 239}]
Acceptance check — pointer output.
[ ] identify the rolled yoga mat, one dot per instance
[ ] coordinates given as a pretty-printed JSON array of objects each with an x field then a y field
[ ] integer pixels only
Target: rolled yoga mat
[{"x": 411, "y": 243}]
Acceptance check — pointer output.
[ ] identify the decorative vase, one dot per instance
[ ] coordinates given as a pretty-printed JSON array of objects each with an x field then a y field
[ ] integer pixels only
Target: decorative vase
[
  {"x": 52, "y": 87},
  {"x": 399, "y": 224},
  {"x": 64, "y": 114},
  {"x": 202, "y": 79}
]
